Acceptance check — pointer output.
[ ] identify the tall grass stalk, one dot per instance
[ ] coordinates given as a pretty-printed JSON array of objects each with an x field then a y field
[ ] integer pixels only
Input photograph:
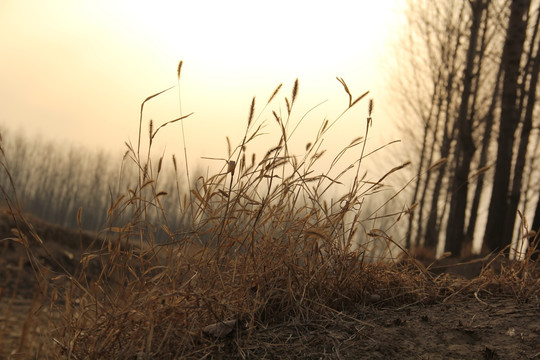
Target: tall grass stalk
[{"x": 178, "y": 73}]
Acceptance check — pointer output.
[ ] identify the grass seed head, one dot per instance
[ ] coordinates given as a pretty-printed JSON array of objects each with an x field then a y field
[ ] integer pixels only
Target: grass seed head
[
  {"x": 294, "y": 91},
  {"x": 251, "y": 111},
  {"x": 274, "y": 94},
  {"x": 179, "y": 69}
]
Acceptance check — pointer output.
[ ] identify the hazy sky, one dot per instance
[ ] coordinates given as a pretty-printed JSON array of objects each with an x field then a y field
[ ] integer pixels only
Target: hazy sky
[{"x": 77, "y": 71}]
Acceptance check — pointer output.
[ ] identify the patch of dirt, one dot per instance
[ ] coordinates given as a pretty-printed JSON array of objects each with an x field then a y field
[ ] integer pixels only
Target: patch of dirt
[
  {"x": 493, "y": 328},
  {"x": 25, "y": 326}
]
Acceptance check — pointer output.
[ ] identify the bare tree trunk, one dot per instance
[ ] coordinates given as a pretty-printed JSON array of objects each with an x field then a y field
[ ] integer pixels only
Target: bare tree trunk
[
  {"x": 486, "y": 140},
  {"x": 495, "y": 235},
  {"x": 465, "y": 145},
  {"x": 488, "y": 130},
  {"x": 428, "y": 148},
  {"x": 536, "y": 227},
  {"x": 408, "y": 243},
  {"x": 519, "y": 167},
  {"x": 433, "y": 223},
  {"x": 434, "y": 219},
  {"x": 437, "y": 80}
]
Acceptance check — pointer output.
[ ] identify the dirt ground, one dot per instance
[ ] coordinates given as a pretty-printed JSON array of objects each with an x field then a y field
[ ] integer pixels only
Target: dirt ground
[
  {"x": 481, "y": 325},
  {"x": 468, "y": 328}
]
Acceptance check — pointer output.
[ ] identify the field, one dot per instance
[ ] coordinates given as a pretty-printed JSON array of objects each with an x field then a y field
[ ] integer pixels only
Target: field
[
  {"x": 445, "y": 316},
  {"x": 255, "y": 262}
]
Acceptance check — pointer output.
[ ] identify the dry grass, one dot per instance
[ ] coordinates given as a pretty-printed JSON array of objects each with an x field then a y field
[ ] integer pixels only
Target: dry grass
[{"x": 265, "y": 250}]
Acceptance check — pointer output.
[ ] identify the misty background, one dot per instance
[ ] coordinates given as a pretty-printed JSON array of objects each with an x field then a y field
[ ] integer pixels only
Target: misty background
[{"x": 456, "y": 83}]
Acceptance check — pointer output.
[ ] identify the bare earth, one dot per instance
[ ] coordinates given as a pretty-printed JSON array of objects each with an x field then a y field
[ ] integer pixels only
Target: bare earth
[{"x": 465, "y": 329}]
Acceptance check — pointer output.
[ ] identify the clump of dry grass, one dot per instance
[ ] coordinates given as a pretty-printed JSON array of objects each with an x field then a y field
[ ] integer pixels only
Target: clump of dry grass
[{"x": 264, "y": 248}]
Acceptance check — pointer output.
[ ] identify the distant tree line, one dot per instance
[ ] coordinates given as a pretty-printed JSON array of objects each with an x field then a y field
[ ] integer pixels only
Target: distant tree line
[
  {"x": 468, "y": 82},
  {"x": 53, "y": 181}
]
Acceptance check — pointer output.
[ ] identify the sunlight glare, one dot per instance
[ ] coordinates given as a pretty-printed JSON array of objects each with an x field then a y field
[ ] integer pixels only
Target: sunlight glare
[{"x": 246, "y": 36}]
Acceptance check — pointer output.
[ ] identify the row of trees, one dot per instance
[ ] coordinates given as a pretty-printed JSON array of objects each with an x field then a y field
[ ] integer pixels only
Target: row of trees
[
  {"x": 471, "y": 84},
  {"x": 52, "y": 181}
]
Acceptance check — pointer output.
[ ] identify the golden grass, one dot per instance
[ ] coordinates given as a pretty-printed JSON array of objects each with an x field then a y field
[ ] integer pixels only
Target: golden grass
[{"x": 264, "y": 247}]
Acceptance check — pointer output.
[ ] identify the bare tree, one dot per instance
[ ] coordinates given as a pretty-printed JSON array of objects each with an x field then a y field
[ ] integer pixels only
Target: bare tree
[
  {"x": 496, "y": 234},
  {"x": 465, "y": 146},
  {"x": 480, "y": 85},
  {"x": 435, "y": 43}
]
